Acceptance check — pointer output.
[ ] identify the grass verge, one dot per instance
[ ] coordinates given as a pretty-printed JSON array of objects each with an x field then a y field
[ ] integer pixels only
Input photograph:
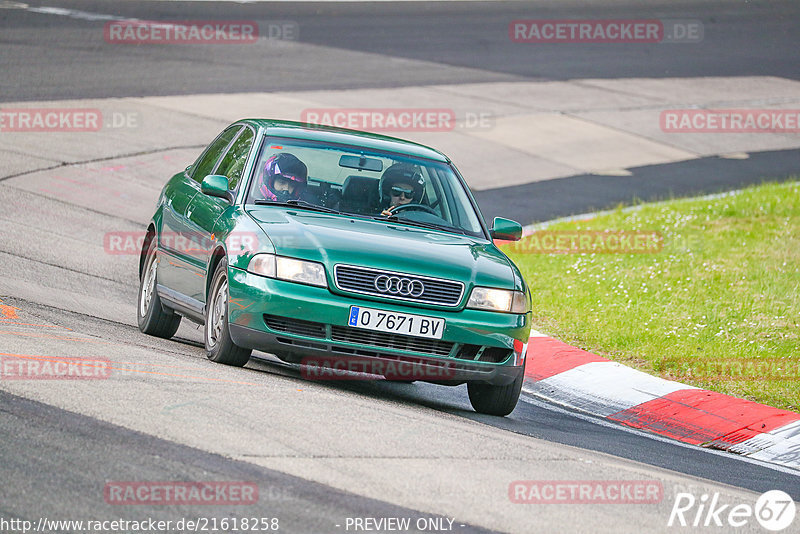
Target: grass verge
[{"x": 716, "y": 304}]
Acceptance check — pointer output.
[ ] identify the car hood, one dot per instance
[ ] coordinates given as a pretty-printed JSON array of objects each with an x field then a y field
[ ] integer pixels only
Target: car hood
[{"x": 336, "y": 239}]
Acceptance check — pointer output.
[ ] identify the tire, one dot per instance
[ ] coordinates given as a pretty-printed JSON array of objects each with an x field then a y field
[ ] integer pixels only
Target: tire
[
  {"x": 220, "y": 347},
  {"x": 495, "y": 400},
  {"x": 152, "y": 318}
]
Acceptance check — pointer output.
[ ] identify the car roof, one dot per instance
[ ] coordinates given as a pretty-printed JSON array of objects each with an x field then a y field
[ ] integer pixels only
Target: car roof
[{"x": 330, "y": 134}]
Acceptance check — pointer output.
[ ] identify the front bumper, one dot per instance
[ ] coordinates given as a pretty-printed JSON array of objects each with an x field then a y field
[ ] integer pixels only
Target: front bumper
[{"x": 306, "y": 322}]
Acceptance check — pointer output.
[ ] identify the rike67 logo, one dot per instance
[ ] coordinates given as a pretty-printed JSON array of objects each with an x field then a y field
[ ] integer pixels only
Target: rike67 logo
[{"x": 774, "y": 510}]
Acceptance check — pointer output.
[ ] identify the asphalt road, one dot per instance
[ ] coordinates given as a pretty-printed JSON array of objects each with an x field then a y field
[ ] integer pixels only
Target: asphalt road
[
  {"x": 550, "y": 199},
  {"x": 57, "y": 51},
  {"x": 162, "y": 417},
  {"x": 386, "y": 44},
  {"x": 66, "y": 460},
  {"x": 321, "y": 452}
]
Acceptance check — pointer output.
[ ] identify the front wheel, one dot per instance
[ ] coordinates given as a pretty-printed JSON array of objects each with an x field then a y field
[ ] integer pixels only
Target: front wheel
[
  {"x": 495, "y": 400},
  {"x": 220, "y": 347},
  {"x": 151, "y": 316}
]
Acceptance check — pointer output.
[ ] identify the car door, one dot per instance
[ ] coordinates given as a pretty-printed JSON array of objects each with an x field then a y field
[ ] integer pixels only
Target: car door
[
  {"x": 205, "y": 211},
  {"x": 178, "y": 238}
]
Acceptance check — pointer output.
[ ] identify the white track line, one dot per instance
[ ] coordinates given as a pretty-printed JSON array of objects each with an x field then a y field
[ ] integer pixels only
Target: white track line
[{"x": 604, "y": 388}]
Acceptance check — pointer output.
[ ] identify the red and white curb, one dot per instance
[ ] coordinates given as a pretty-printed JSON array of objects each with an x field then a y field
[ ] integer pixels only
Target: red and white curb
[{"x": 572, "y": 377}]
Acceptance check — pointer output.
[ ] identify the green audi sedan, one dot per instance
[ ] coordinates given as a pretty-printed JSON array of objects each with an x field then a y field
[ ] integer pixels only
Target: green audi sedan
[{"x": 348, "y": 253}]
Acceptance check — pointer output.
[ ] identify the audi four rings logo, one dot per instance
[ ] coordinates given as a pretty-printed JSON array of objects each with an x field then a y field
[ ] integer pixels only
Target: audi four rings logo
[{"x": 399, "y": 286}]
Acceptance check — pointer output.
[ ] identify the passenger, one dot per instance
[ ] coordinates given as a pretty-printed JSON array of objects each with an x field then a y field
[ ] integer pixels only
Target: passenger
[
  {"x": 285, "y": 178},
  {"x": 401, "y": 184}
]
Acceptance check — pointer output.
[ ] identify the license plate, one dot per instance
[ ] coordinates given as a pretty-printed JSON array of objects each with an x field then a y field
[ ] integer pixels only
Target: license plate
[{"x": 396, "y": 323}]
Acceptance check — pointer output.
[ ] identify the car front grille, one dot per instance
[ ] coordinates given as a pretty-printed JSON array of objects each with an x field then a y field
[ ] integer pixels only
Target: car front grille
[
  {"x": 362, "y": 280},
  {"x": 390, "y": 341},
  {"x": 377, "y": 340},
  {"x": 295, "y": 326},
  {"x": 495, "y": 354}
]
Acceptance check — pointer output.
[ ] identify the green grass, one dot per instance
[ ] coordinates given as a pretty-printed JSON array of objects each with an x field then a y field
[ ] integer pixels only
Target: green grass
[{"x": 723, "y": 290}]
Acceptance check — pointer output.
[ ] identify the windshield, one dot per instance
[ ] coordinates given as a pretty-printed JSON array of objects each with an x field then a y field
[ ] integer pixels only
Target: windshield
[{"x": 361, "y": 182}]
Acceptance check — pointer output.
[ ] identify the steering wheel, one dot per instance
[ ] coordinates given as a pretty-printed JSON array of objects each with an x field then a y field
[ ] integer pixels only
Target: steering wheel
[{"x": 421, "y": 207}]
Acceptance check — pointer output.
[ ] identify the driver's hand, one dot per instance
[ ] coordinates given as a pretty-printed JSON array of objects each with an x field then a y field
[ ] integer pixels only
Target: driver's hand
[{"x": 387, "y": 212}]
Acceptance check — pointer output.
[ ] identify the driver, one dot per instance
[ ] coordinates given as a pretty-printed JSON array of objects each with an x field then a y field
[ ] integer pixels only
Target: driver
[
  {"x": 285, "y": 178},
  {"x": 401, "y": 184}
]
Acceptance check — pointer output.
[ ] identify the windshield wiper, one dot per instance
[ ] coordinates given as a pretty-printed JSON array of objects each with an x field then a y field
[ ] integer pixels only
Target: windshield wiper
[
  {"x": 411, "y": 222},
  {"x": 295, "y": 203}
]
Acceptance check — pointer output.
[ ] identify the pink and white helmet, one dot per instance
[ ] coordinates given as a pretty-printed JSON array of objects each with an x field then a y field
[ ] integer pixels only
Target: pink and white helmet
[{"x": 288, "y": 167}]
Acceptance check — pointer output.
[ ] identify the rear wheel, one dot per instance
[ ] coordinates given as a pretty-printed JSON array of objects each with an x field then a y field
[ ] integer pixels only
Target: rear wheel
[
  {"x": 495, "y": 400},
  {"x": 220, "y": 347},
  {"x": 152, "y": 318}
]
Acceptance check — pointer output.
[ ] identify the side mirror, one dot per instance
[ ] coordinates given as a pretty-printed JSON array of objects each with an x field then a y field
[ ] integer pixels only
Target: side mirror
[
  {"x": 215, "y": 185},
  {"x": 506, "y": 229}
]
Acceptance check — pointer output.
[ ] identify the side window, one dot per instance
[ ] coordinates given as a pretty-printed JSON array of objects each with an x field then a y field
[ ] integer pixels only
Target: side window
[
  {"x": 439, "y": 198},
  {"x": 206, "y": 163},
  {"x": 432, "y": 187},
  {"x": 232, "y": 164}
]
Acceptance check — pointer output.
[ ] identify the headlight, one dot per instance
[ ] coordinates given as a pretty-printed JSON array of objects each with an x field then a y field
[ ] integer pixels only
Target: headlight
[
  {"x": 289, "y": 269},
  {"x": 263, "y": 264},
  {"x": 304, "y": 272},
  {"x": 502, "y": 300}
]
